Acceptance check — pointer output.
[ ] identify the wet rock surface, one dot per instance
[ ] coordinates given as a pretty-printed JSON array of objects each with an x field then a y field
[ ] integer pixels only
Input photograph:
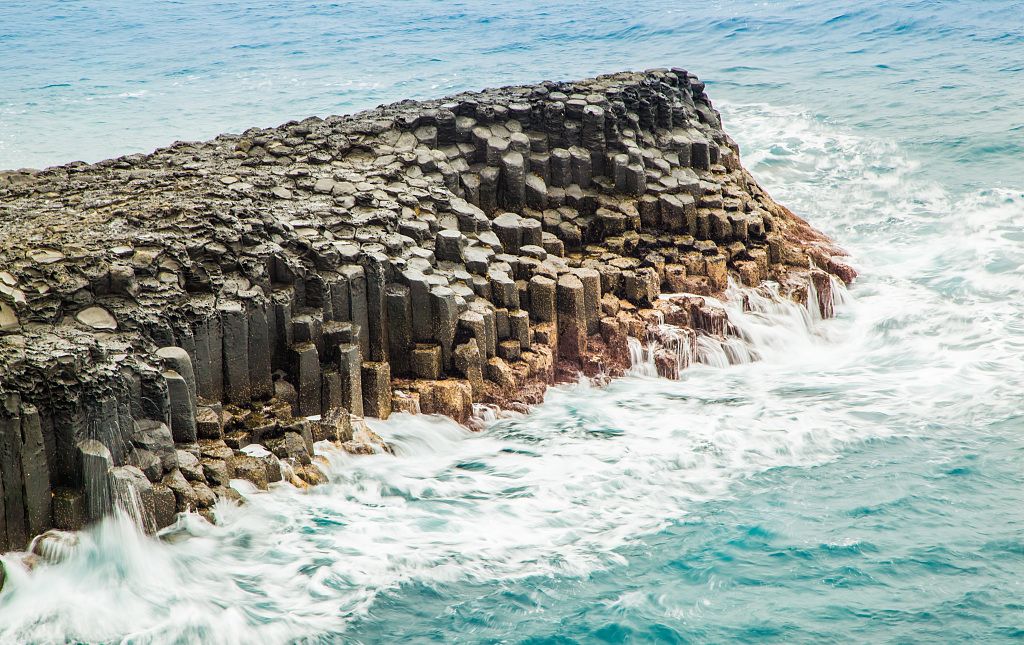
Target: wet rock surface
[{"x": 206, "y": 312}]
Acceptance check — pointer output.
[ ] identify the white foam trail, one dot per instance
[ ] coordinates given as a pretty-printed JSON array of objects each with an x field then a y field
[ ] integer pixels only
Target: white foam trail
[
  {"x": 676, "y": 349},
  {"x": 128, "y": 500},
  {"x": 762, "y": 323},
  {"x": 710, "y": 352},
  {"x": 554, "y": 493},
  {"x": 641, "y": 358},
  {"x": 54, "y": 546},
  {"x": 768, "y": 326}
]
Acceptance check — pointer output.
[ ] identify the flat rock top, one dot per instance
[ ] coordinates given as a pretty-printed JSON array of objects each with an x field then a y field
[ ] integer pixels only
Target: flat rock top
[{"x": 336, "y": 187}]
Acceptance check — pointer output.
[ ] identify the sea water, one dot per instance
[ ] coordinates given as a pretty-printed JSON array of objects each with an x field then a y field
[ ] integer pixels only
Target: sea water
[{"x": 861, "y": 481}]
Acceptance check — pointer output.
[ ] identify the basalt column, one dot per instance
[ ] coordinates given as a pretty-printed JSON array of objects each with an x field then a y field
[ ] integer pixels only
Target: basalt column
[{"x": 160, "y": 314}]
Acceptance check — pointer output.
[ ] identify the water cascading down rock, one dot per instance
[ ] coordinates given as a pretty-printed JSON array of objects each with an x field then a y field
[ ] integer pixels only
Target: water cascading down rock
[{"x": 162, "y": 313}]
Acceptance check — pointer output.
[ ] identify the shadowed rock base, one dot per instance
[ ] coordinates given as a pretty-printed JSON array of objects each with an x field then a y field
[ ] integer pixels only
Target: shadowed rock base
[{"x": 169, "y": 322}]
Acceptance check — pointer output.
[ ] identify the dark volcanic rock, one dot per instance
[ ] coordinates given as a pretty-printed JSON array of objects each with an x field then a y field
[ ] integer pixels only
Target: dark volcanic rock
[{"x": 422, "y": 256}]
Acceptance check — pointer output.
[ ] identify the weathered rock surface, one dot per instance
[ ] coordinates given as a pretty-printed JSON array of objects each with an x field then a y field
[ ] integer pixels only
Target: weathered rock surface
[{"x": 166, "y": 311}]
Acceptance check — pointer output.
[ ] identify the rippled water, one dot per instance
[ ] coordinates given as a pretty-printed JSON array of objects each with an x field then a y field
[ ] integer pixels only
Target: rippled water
[{"x": 863, "y": 482}]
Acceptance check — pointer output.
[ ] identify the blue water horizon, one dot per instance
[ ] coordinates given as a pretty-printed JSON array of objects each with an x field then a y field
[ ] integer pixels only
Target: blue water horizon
[{"x": 87, "y": 80}]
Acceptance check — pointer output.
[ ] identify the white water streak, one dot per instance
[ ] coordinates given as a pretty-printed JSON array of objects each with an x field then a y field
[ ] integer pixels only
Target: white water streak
[{"x": 762, "y": 323}]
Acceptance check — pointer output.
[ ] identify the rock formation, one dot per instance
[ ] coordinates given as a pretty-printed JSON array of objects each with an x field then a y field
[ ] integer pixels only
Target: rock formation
[{"x": 171, "y": 321}]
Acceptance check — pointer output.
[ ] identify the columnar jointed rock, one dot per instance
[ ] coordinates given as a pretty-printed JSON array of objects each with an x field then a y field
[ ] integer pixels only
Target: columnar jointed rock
[{"x": 159, "y": 313}]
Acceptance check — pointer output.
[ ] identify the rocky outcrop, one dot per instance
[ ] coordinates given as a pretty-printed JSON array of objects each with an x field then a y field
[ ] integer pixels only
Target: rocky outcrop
[{"x": 171, "y": 321}]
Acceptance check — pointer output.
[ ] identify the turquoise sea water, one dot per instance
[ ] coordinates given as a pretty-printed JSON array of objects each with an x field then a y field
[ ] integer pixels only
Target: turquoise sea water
[{"x": 863, "y": 482}]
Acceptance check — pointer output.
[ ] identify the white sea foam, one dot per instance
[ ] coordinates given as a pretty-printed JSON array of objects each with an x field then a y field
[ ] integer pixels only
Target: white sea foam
[{"x": 553, "y": 493}]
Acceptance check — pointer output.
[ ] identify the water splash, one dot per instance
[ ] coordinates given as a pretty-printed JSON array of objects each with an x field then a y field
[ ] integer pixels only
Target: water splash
[
  {"x": 54, "y": 546},
  {"x": 669, "y": 350},
  {"x": 125, "y": 486},
  {"x": 769, "y": 324},
  {"x": 450, "y": 506},
  {"x": 761, "y": 322}
]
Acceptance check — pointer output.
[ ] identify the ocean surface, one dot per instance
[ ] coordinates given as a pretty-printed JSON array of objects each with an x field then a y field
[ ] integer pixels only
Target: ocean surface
[{"x": 863, "y": 481}]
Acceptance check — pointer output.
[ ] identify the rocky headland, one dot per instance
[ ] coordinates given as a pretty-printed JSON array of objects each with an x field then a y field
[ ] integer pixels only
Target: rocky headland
[{"x": 172, "y": 321}]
